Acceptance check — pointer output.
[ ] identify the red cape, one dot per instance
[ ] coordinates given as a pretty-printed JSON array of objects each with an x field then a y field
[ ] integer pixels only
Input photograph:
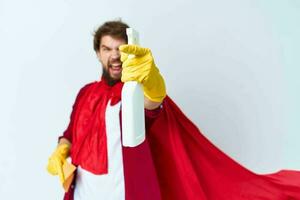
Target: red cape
[{"x": 189, "y": 167}]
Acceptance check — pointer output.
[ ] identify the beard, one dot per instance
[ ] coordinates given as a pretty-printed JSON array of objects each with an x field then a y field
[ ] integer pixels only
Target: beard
[{"x": 110, "y": 81}]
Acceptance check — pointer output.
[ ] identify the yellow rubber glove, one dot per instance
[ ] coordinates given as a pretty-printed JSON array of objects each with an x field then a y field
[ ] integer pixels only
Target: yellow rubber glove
[
  {"x": 57, "y": 159},
  {"x": 141, "y": 68}
]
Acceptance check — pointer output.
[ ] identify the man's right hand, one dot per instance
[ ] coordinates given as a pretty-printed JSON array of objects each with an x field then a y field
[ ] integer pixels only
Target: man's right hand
[{"x": 57, "y": 159}]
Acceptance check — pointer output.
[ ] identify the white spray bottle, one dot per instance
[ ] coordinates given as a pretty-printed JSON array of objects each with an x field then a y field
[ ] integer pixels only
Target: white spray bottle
[{"x": 133, "y": 116}]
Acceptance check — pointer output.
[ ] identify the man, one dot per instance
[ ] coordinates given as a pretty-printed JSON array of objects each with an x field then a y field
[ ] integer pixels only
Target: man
[
  {"x": 100, "y": 169},
  {"x": 174, "y": 162}
]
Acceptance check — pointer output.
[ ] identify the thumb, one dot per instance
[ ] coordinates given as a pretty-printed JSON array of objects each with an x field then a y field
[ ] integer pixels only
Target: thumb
[{"x": 124, "y": 57}]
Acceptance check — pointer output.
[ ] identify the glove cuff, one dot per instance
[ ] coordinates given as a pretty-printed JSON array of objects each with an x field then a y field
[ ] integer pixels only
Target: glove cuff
[
  {"x": 155, "y": 90},
  {"x": 63, "y": 150}
]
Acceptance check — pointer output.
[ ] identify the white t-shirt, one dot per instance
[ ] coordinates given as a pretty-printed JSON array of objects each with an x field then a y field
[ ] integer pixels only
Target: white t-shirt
[{"x": 107, "y": 186}]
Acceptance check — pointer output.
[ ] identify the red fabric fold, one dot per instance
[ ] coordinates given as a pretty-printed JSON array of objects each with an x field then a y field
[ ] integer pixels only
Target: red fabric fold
[{"x": 89, "y": 144}]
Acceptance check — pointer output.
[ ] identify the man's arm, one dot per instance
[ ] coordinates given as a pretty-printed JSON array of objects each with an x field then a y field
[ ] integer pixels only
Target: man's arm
[{"x": 150, "y": 105}]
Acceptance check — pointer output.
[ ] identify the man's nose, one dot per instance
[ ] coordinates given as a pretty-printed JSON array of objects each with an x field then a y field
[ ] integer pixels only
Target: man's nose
[{"x": 116, "y": 54}]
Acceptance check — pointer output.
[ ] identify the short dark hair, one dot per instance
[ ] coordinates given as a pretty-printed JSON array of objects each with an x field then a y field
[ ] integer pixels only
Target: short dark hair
[{"x": 116, "y": 29}]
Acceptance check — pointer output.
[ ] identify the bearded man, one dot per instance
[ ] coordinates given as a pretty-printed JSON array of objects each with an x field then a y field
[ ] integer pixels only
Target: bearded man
[{"x": 174, "y": 162}]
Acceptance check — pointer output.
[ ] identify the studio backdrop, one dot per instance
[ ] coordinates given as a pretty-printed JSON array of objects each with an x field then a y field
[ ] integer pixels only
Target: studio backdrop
[{"x": 232, "y": 67}]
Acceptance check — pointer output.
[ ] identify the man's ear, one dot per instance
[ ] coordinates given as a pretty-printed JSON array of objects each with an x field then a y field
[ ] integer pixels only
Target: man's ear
[{"x": 98, "y": 54}]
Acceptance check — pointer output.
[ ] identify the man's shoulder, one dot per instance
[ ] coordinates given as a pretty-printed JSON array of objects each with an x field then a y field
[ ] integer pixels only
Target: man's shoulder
[{"x": 88, "y": 85}]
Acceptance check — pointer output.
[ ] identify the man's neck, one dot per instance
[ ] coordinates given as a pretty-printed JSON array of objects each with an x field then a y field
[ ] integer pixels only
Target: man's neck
[{"x": 109, "y": 81}]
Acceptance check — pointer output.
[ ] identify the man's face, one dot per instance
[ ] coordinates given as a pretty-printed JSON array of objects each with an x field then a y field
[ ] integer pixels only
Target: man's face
[{"x": 109, "y": 56}]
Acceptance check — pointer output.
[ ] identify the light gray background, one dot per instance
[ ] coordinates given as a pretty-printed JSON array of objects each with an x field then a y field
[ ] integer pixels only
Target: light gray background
[{"x": 232, "y": 66}]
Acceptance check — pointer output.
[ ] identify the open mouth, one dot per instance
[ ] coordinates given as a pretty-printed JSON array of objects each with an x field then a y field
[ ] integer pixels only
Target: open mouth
[{"x": 116, "y": 68}]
